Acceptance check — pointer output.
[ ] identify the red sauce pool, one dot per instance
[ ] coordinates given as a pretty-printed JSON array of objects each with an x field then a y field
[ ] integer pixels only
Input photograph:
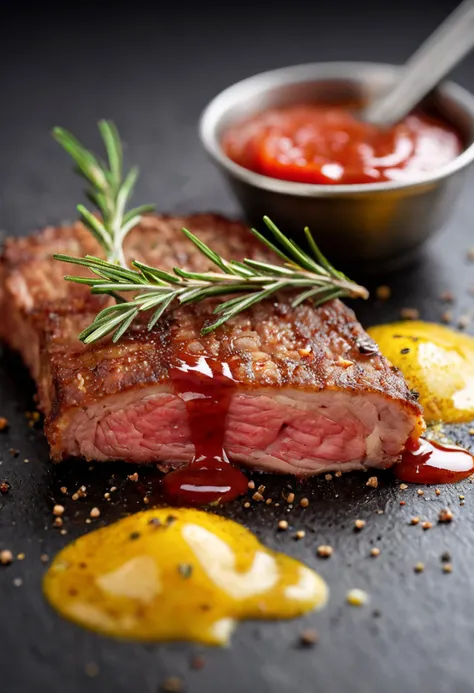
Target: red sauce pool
[
  {"x": 434, "y": 463},
  {"x": 326, "y": 144},
  {"x": 206, "y": 385}
]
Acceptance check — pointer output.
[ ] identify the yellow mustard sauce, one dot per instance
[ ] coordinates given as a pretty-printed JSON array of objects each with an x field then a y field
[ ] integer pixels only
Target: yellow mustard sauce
[
  {"x": 177, "y": 574},
  {"x": 436, "y": 361}
]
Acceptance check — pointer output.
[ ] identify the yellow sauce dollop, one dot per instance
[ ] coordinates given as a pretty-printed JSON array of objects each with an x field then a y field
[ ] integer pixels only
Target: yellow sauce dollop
[
  {"x": 436, "y": 361},
  {"x": 177, "y": 574}
]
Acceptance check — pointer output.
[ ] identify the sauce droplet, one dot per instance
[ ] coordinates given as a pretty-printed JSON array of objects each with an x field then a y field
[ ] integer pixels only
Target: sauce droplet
[
  {"x": 177, "y": 574},
  {"x": 434, "y": 463},
  {"x": 206, "y": 385}
]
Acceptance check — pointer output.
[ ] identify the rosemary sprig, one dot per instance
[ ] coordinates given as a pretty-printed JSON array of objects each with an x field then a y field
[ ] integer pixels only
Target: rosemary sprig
[
  {"x": 310, "y": 276},
  {"x": 108, "y": 191},
  {"x": 249, "y": 281}
]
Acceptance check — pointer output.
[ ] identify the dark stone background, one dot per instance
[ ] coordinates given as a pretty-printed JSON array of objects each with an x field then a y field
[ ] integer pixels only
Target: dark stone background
[{"x": 153, "y": 67}]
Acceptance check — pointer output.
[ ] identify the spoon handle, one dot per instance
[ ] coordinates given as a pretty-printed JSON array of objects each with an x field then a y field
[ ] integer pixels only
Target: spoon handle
[{"x": 427, "y": 66}]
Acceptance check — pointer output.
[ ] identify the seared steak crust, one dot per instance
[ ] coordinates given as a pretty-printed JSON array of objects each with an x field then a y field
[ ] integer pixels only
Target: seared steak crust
[{"x": 270, "y": 348}]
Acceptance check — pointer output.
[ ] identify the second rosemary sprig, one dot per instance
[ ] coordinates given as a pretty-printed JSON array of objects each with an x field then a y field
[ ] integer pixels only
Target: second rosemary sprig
[
  {"x": 310, "y": 277},
  {"x": 107, "y": 189}
]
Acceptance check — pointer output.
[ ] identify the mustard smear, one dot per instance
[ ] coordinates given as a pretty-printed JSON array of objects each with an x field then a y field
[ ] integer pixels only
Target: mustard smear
[
  {"x": 436, "y": 361},
  {"x": 177, "y": 574}
]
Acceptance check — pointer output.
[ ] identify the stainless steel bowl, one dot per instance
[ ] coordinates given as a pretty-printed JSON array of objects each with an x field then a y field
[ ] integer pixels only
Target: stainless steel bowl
[{"x": 373, "y": 224}]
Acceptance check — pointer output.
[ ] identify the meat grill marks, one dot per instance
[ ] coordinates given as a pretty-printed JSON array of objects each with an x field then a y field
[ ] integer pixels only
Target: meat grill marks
[{"x": 309, "y": 397}]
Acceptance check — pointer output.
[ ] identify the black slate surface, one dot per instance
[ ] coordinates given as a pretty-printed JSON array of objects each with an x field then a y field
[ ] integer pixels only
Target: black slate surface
[{"x": 152, "y": 69}]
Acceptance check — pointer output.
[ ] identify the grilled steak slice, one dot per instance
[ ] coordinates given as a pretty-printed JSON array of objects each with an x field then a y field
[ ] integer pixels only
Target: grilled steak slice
[{"x": 313, "y": 394}]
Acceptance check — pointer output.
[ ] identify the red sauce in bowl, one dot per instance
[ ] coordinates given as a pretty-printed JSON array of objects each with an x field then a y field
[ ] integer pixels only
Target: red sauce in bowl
[{"x": 327, "y": 145}]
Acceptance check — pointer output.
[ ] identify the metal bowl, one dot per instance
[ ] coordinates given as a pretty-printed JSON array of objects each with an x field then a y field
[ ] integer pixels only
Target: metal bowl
[{"x": 372, "y": 224}]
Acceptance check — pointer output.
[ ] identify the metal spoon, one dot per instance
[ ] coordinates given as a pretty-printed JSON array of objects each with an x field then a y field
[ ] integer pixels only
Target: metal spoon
[{"x": 446, "y": 46}]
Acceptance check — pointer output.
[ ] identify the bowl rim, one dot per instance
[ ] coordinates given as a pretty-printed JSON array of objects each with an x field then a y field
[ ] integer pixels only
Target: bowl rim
[{"x": 293, "y": 74}]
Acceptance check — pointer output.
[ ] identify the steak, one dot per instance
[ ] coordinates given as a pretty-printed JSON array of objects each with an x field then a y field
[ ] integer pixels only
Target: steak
[{"x": 312, "y": 393}]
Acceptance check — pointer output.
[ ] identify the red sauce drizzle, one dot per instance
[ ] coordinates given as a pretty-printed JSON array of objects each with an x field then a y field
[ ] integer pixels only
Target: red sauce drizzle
[
  {"x": 434, "y": 463},
  {"x": 206, "y": 385}
]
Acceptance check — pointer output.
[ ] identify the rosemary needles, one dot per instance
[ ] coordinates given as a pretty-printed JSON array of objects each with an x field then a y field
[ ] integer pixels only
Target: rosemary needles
[
  {"x": 107, "y": 190},
  {"x": 308, "y": 275}
]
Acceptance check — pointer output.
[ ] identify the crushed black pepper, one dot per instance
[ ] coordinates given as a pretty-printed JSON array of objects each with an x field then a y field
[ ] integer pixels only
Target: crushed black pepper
[
  {"x": 185, "y": 570},
  {"x": 367, "y": 347},
  {"x": 173, "y": 684},
  {"x": 198, "y": 663},
  {"x": 308, "y": 638}
]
